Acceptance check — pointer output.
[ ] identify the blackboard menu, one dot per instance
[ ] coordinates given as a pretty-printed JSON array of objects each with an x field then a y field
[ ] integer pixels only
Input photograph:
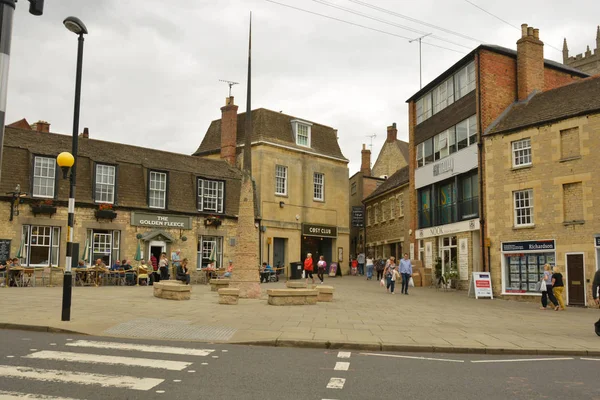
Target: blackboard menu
[{"x": 4, "y": 250}]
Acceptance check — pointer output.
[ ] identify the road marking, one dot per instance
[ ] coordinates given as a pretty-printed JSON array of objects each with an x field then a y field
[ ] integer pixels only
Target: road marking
[
  {"x": 204, "y": 363},
  {"x": 215, "y": 356},
  {"x": 191, "y": 370},
  {"x": 344, "y": 354},
  {"x": 53, "y": 375},
  {"x": 141, "y": 347},
  {"x": 522, "y": 360},
  {"x": 52, "y": 344},
  {"x": 160, "y": 391},
  {"x": 176, "y": 380},
  {"x": 336, "y": 383},
  {"x": 112, "y": 360},
  {"x": 16, "y": 395},
  {"x": 32, "y": 349},
  {"x": 590, "y": 359},
  {"x": 10, "y": 356},
  {"x": 413, "y": 358},
  {"x": 341, "y": 366}
]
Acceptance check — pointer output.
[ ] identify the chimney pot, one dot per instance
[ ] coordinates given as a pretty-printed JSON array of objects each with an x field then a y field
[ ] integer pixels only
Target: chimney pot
[
  {"x": 86, "y": 133},
  {"x": 530, "y": 31},
  {"x": 536, "y": 33},
  {"x": 530, "y": 63},
  {"x": 523, "y": 30}
]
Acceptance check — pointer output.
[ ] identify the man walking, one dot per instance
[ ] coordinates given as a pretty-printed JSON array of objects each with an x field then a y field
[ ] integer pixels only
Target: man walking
[
  {"x": 406, "y": 272},
  {"x": 361, "y": 264}
]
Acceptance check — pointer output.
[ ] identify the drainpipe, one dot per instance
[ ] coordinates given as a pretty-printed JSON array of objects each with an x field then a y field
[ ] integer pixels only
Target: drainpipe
[{"x": 480, "y": 172}]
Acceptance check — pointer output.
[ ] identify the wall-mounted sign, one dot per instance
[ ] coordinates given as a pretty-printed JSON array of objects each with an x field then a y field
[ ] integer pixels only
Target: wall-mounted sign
[
  {"x": 446, "y": 165},
  {"x": 463, "y": 226},
  {"x": 533, "y": 245},
  {"x": 319, "y": 230},
  {"x": 4, "y": 250},
  {"x": 161, "y": 220},
  {"x": 358, "y": 216},
  {"x": 597, "y": 241},
  {"x": 463, "y": 258}
]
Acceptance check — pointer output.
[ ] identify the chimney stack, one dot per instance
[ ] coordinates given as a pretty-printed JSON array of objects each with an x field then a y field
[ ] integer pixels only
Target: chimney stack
[
  {"x": 229, "y": 131},
  {"x": 85, "y": 134},
  {"x": 41, "y": 126},
  {"x": 392, "y": 133},
  {"x": 365, "y": 165},
  {"x": 530, "y": 62}
]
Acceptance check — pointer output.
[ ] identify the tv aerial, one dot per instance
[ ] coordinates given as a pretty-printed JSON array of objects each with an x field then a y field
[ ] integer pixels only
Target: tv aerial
[
  {"x": 372, "y": 136},
  {"x": 230, "y": 83}
]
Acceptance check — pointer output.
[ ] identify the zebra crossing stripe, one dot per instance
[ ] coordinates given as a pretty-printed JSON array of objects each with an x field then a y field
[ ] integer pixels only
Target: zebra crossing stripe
[
  {"x": 112, "y": 360},
  {"x": 82, "y": 378},
  {"x": 336, "y": 383},
  {"x": 341, "y": 366},
  {"x": 141, "y": 347},
  {"x": 4, "y": 395}
]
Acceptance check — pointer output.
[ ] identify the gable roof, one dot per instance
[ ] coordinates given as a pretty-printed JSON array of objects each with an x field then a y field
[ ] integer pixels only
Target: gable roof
[
  {"x": 276, "y": 128},
  {"x": 21, "y": 124},
  {"x": 496, "y": 49},
  {"x": 577, "y": 98},
  {"x": 403, "y": 146},
  {"x": 398, "y": 178}
]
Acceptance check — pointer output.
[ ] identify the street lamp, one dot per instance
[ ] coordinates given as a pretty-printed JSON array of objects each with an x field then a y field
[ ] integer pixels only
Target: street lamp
[{"x": 66, "y": 161}]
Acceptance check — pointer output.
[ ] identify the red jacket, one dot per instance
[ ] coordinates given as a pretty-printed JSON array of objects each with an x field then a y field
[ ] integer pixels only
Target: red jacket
[{"x": 308, "y": 264}]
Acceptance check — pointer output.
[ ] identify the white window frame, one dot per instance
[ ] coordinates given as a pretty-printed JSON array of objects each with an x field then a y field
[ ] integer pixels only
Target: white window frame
[
  {"x": 443, "y": 95},
  {"x": 392, "y": 207},
  {"x": 154, "y": 191},
  {"x": 424, "y": 108},
  {"x": 210, "y": 191},
  {"x": 468, "y": 74},
  {"x": 112, "y": 251},
  {"x": 297, "y": 126},
  {"x": 420, "y": 156},
  {"x": 51, "y": 233},
  {"x": 281, "y": 175},
  {"x": 205, "y": 247},
  {"x": 521, "y": 153},
  {"x": 400, "y": 198},
  {"x": 376, "y": 214},
  {"x": 319, "y": 186},
  {"x": 369, "y": 215},
  {"x": 45, "y": 172},
  {"x": 105, "y": 184},
  {"x": 523, "y": 214}
]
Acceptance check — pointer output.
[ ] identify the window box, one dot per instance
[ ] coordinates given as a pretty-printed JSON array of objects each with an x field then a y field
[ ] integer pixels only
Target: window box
[
  {"x": 106, "y": 214},
  {"x": 212, "y": 221},
  {"x": 43, "y": 209}
]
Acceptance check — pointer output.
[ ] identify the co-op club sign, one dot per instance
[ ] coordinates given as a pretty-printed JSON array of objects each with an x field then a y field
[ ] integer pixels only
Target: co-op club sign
[{"x": 161, "y": 220}]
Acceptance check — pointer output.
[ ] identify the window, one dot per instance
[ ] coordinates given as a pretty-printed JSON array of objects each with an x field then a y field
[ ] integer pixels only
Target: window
[
  {"x": 105, "y": 184},
  {"x": 472, "y": 130},
  {"x": 421, "y": 250},
  {"x": 524, "y": 270},
  {"x": 41, "y": 245},
  {"x": 158, "y": 190},
  {"x": 210, "y": 249},
  {"x": 392, "y": 208},
  {"x": 44, "y": 173},
  {"x": 569, "y": 143},
  {"x": 524, "y": 207},
  {"x": 521, "y": 150},
  {"x": 376, "y": 219},
  {"x": 428, "y": 151},
  {"x": 104, "y": 245},
  {"x": 424, "y": 210},
  {"x": 423, "y": 108},
  {"x": 450, "y": 141},
  {"x": 469, "y": 197},
  {"x": 210, "y": 195},
  {"x": 302, "y": 132},
  {"x": 573, "y": 202},
  {"x": 420, "y": 161},
  {"x": 401, "y": 205},
  {"x": 369, "y": 216},
  {"x": 440, "y": 146},
  {"x": 318, "y": 186},
  {"x": 443, "y": 95},
  {"x": 281, "y": 180},
  {"x": 446, "y": 199},
  {"x": 384, "y": 211},
  {"x": 464, "y": 80},
  {"x": 353, "y": 188},
  {"x": 462, "y": 134}
]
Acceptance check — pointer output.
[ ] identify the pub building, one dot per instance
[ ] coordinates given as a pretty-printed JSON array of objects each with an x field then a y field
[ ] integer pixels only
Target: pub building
[{"x": 126, "y": 196}]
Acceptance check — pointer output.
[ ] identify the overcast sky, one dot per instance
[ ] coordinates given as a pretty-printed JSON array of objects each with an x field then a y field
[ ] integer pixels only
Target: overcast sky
[{"x": 151, "y": 75}]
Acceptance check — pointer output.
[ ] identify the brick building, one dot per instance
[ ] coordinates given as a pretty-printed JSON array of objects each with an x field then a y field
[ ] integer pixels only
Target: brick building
[
  {"x": 301, "y": 179},
  {"x": 169, "y": 201},
  {"x": 542, "y": 192},
  {"x": 387, "y": 217},
  {"x": 588, "y": 62},
  {"x": 446, "y": 161}
]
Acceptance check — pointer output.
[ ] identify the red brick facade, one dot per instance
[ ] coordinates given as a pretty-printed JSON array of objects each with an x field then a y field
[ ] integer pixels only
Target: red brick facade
[{"x": 229, "y": 131}]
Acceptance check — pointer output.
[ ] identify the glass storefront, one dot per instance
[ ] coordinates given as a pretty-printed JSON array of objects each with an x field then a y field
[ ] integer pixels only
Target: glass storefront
[{"x": 523, "y": 264}]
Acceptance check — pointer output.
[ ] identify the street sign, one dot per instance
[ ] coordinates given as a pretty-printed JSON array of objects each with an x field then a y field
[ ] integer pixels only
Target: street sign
[{"x": 358, "y": 216}]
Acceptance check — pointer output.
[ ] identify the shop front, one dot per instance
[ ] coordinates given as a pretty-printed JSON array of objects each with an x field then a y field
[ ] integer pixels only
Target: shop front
[
  {"x": 319, "y": 241},
  {"x": 523, "y": 265}
]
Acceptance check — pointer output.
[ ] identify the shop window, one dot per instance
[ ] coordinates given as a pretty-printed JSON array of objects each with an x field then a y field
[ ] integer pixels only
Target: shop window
[
  {"x": 573, "y": 202},
  {"x": 446, "y": 207},
  {"x": 210, "y": 195},
  {"x": 524, "y": 270},
  {"x": 523, "y": 203},
  {"x": 104, "y": 183},
  {"x": 210, "y": 250},
  {"x": 521, "y": 152},
  {"x": 44, "y": 175},
  {"x": 281, "y": 180},
  {"x": 157, "y": 189},
  {"x": 424, "y": 210},
  {"x": 469, "y": 197},
  {"x": 41, "y": 245},
  {"x": 569, "y": 143},
  {"x": 104, "y": 245}
]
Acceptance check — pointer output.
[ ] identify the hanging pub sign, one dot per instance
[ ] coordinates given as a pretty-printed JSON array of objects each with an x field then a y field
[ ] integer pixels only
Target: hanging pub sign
[{"x": 358, "y": 216}]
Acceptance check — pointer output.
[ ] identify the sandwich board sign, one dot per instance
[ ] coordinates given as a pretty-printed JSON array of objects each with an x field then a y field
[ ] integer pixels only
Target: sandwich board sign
[{"x": 481, "y": 284}]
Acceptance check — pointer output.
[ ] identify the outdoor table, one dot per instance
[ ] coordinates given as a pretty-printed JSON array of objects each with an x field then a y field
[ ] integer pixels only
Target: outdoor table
[{"x": 15, "y": 275}]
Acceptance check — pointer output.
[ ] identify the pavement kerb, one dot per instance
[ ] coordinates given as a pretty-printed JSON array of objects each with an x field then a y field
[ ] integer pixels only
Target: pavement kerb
[{"x": 38, "y": 328}]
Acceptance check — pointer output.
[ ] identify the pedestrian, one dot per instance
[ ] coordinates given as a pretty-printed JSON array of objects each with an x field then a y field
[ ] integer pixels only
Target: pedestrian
[
  {"x": 321, "y": 267},
  {"x": 391, "y": 274},
  {"x": 558, "y": 287},
  {"x": 229, "y": 270},
  {"x": 548, "y": 293},
  {"x": 361, "y": 264},
  {"x": 354, "y": 266},
  {"x": 265, "y": 271},
  {"x": 163, "y": 266},
  {"x": 380, "y": 267},
  {"x": 595, "y": 286},
  {"x": 406, "y": 272},
  {"x": 308, "y": 268},
  {"x": 369, "y": 268}
]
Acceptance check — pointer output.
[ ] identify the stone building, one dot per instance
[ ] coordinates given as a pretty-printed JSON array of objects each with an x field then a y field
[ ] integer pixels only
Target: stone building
[
  {"x": 445, "y": 119},
  {"x": 388, "y": 216},
  {"x": 392, "y": 156},
  {"x": 125, "y": 195},
  {"x": 588, "y": 62},
  {"x": 542, "y": 191},
  {"x": 301, "y": 179}
]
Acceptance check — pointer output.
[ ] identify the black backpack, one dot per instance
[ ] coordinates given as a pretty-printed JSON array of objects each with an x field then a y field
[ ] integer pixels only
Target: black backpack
[{"x": 597, "y": 326}]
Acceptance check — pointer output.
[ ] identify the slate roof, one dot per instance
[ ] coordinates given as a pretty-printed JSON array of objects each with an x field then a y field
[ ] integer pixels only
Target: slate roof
[
  {"x": 396, "y": 180},
  {"x": 577, "y": 98},
  {"x": 274, "y": 127}
]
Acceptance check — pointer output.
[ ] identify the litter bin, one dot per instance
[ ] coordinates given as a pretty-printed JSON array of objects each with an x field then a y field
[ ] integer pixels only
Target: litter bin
[{"x": 296, "y": 270}]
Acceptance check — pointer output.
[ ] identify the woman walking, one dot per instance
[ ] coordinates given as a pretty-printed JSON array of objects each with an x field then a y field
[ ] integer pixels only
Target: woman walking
[
  {"x": 548, "y": 293},
  {"x": 163, "y": 265},
  {"x": 380, "y": 268},
  {"x": 391, "y": 274},
  {"x": 308, "y": 268},
  {"x": 557, "y": 287},
  {"x": 321, "y": 266},
  {"x": 369, "y": 267}
]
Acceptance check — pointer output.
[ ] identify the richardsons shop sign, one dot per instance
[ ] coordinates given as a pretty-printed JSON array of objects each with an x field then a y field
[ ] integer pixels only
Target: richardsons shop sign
[
  {"x": 160, "y": 220},
  {"x": 319, "y": 230}
]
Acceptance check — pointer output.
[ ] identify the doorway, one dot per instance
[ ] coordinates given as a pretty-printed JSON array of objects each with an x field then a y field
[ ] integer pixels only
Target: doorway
[
  {"x": 576, "y": 280},
  {"x": 317, "y": 246},
  {"x": 448, "y": 253},
  {"x": 156, "y": 249},
  {"x": 279, "y": 254}
]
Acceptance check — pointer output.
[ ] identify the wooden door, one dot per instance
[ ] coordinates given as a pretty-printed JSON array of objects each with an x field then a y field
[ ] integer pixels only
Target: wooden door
[{"x": 576, "y": 279}]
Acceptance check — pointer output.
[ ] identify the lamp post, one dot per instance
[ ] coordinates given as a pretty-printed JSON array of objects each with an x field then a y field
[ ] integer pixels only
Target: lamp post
[{"x": 69, "y": 161}]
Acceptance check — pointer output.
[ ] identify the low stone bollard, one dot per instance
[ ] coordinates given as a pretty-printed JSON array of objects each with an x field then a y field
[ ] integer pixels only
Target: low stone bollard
[
  {"x": 172, "y": 290},
  {"x": 216, "y": 284},
  {"x": 292, "y": 297},
  {"x": 295, "y": 285},
  {"x": 325, "y": 293},
  {"x": 229, "y": 295}
]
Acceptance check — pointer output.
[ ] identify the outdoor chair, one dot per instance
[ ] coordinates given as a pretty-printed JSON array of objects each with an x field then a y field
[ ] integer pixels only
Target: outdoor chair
[{"x": 28, "y": 277}]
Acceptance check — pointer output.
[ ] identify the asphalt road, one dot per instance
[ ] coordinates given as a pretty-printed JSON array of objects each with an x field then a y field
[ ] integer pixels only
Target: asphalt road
[{"x": 60, "y": 366}]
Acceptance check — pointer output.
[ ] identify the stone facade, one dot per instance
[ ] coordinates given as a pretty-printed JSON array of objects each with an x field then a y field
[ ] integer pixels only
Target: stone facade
[
  {"x": 392, "y": 156},
  {"x": 588, "y": 62}
]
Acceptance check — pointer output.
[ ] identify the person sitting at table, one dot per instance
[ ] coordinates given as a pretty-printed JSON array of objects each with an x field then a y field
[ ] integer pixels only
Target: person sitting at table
[
  {"x": 265, "y": 271},
  {"x": 14, "y": 277},
  {"x": 229, "y": 270},
  {"x": 143, "y": 273},
  {"x": 115, "y": 267},
  {"x": 130, "y": 275},
  {"x": 183, "y": 272}
]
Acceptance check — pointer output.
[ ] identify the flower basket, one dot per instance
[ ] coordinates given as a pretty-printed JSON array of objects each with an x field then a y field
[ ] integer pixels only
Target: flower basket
[
  {"x": 43, "y": 209},
  {"x": 106, "y": 214},
  {"x": 212, "y": 221}
]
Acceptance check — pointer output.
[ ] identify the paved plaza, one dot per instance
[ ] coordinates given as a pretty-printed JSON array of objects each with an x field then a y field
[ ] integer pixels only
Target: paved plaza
[{"x": 362, "y": 316}]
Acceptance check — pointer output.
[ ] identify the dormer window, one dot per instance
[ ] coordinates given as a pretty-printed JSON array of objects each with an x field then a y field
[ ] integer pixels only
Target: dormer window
[{"x": 302, "y": 132}]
